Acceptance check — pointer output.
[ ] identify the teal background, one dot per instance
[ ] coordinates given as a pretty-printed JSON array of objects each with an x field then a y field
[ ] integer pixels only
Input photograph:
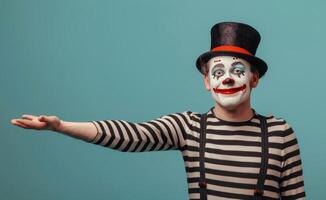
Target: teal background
[{"x": 134, "y": 60}]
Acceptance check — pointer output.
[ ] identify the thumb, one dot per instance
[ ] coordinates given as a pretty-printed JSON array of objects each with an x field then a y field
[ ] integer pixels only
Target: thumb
[
  {"x": 41, "y": 118},
  {"x": 46, "y": 119},
  {"x": 53, "y": 122}
]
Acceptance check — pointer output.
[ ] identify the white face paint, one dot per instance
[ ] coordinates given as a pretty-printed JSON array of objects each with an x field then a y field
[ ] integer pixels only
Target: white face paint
[{"x": 229, "y": 80}]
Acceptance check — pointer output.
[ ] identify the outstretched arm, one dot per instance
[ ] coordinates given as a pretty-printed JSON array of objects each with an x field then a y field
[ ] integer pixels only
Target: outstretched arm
[{"x": 166, "y": 132}]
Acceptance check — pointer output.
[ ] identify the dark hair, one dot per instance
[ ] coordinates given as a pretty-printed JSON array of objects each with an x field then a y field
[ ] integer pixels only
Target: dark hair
[{"x": 253, "y": 68}]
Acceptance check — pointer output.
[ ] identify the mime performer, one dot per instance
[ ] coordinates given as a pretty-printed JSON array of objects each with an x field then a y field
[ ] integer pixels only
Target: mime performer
[{"x": 231, "y": 151}]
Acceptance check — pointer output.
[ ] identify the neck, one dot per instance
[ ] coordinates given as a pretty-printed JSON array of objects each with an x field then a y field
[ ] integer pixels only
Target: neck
[{"x": 242, "y": 112}]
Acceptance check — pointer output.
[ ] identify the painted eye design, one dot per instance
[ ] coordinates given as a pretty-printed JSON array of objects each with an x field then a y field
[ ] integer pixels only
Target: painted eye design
[
  {"x": 238, "y": 70},
  {"x": 217, "y": 73}
]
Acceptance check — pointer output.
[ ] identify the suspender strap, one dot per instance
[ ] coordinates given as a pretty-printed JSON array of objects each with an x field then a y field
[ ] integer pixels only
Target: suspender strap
[
  {"x": 259, "y": 190},
  {"x": 202, "y": 181}
]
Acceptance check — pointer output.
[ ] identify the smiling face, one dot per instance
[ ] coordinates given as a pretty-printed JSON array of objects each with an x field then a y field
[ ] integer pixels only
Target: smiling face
[{"x": 230, "y": 80}]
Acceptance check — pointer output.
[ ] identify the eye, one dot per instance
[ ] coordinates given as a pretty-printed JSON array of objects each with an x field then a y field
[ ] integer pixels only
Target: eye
[
  {"x": 218, "y": 73},
  {"x": 238, "y": 70}
]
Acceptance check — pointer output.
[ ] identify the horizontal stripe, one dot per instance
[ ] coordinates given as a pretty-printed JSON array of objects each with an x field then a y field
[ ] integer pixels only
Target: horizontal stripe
[{"x": 232, "y": 152}]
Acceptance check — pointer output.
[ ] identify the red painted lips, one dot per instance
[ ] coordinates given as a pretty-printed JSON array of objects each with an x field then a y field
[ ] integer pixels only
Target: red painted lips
[{"x": 230, "y": 91}]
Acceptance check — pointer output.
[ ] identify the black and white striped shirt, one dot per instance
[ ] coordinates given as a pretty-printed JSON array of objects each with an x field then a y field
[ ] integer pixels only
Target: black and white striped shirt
[{"x": 232, "y": 152}]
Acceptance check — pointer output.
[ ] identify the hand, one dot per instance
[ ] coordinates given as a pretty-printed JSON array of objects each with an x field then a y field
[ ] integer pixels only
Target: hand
[{"x": 41, "y": 122}]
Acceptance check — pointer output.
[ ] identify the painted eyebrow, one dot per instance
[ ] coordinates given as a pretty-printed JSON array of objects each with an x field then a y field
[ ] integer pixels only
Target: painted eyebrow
[
  {"x": 219, "y": 65},
  {"x": 237, "y": 62}
]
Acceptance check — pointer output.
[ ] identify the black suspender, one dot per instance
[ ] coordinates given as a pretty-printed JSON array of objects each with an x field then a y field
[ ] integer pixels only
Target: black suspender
[
  {"x": 202, "y": 181},
  {"x": 259, "y": 189}
]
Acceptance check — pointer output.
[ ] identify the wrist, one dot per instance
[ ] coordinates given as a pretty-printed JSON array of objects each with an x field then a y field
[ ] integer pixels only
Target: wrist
[{"x": 61, "y": 127}]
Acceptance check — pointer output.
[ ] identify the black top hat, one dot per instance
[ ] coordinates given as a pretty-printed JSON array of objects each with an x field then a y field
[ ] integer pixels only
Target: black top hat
[{"x": 233, "y": 39}]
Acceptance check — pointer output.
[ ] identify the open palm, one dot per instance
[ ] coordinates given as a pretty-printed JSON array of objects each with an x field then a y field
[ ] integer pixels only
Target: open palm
[{"x": 37, "y": 122}]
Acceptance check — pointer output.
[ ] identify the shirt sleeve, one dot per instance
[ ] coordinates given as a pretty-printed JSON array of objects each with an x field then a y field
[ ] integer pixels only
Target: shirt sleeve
[
  {"x": 163, "y": 133},
  {"x": 291, "y": 182}
]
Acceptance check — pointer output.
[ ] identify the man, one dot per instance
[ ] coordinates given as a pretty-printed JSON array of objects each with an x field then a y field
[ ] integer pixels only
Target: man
[{"x": 230, "y": 152}]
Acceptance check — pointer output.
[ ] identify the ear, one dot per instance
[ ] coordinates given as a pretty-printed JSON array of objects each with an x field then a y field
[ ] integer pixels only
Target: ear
[
  {"x": 254, "y": 80},
  {"x": 206, "y": 81}
]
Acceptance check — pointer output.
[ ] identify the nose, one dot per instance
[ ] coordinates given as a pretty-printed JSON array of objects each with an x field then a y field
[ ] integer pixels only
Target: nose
[{"x": 228, "y": 81}]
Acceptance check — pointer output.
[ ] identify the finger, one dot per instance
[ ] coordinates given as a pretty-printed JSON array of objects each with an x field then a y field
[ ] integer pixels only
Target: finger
[
  {"x": 30, "y": 123},
  {"x": 22, "y": 125},
  {"x": 48, "y": 119},
  {"x": 26, "y": 116},
  {"x": 15, "y": 122},
  {"x": 42, "y": 118}
]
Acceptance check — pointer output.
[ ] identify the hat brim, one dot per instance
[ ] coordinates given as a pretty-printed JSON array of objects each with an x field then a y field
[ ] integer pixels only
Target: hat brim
[{"x": 260, "y": 65}]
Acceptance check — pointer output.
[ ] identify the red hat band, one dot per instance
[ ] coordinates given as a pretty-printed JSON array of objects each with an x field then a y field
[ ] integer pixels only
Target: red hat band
[{"x": 232, "y": 49}]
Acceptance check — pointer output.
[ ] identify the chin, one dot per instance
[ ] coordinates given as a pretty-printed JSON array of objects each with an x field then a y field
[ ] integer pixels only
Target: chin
[{"x": 230, "y": 107}]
